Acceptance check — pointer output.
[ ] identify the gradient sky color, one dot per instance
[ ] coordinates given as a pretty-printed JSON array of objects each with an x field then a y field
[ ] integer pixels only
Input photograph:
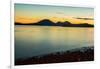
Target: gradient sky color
[{"x": 31, "y": 13}]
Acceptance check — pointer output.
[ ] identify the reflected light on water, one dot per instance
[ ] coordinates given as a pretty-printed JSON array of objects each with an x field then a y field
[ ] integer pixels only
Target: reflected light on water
[{"x": 37, "y": 40}]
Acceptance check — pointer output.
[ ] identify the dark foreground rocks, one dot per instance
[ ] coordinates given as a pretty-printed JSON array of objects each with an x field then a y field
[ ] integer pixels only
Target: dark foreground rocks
[{"x": 75, "y": 55}]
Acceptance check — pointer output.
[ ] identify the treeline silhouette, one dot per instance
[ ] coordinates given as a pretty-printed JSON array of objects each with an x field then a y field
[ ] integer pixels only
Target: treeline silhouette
[
  {"x": 47, "y": 22},
  {"x": 75, "y": 55}
]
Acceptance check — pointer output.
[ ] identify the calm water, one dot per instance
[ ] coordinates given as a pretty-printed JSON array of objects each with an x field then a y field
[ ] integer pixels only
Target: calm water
[{"x": 37, "y": 40}]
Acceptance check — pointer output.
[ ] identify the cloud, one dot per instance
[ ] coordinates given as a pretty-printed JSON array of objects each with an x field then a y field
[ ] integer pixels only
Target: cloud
[{"x": 84, "y": 18}]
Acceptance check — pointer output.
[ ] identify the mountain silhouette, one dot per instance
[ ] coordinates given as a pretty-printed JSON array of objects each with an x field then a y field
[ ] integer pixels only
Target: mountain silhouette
[
  {"x": 66, "y": 23},
  {"x": 47, "y": 22}
]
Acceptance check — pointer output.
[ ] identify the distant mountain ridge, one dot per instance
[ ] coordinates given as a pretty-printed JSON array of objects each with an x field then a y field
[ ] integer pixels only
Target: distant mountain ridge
[{"x": 47, "y": 22}]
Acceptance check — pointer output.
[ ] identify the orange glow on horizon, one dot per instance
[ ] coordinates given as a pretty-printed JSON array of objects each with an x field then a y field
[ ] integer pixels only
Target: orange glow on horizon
[{"x": 54, "y": 19}]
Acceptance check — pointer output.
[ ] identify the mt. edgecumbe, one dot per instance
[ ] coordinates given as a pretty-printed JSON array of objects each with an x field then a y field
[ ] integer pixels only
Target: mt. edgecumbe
[{"x": 47, "y": 22}]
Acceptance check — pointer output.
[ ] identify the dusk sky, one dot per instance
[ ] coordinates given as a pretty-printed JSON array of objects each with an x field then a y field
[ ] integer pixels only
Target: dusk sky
[{"x": 31, "y": 13}]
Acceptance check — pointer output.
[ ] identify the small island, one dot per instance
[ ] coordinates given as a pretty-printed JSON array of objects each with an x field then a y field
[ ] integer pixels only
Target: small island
[{"x": 47, "y": 22}]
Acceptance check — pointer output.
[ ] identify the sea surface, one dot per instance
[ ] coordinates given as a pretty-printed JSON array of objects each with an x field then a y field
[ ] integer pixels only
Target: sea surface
[{"x": 39, "y": 40}]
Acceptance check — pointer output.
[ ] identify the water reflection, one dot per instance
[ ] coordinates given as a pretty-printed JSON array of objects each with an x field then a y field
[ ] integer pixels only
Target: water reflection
[{"x": 38, "y": 40}]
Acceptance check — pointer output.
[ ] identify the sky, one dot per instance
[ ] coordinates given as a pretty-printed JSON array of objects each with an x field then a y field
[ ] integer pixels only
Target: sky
[{"x": 31, "y": 13}]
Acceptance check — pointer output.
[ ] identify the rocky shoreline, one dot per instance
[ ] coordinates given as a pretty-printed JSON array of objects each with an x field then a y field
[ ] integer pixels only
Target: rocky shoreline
[{"x": 74, "y": 55}]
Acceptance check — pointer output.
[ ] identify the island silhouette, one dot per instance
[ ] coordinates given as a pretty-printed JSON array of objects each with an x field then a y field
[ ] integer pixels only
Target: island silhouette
[{"x": 47, "y": 22}]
